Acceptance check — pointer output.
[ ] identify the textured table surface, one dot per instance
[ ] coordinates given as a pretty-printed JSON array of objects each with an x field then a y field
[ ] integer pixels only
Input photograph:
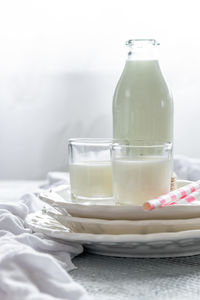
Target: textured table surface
[{"x": 129, "y": 278}]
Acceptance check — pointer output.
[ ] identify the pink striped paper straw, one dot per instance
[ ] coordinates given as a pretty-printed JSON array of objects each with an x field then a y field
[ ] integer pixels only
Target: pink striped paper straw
[
  {"x": 191, "y": 198},
  {"x": 172, "y": 197},
  {"x": 188, "y": 199}
]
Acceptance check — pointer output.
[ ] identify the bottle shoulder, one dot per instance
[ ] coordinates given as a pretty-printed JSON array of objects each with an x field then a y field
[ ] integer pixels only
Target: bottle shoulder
[{"x": 140, "y": 78}]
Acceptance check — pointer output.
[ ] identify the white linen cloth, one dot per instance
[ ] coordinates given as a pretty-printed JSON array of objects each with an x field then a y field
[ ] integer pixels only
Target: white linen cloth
[
  {"x": 32, "y": 266},
  {"x": 187, "y": 168}
]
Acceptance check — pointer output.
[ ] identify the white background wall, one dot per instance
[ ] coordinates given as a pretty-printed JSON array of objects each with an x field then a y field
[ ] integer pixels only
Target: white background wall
[{"x": 60, "y": 62}]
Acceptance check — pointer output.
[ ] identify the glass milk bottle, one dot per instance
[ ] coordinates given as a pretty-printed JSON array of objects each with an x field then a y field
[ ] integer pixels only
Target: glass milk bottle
[{"x": 142, "y": 103}]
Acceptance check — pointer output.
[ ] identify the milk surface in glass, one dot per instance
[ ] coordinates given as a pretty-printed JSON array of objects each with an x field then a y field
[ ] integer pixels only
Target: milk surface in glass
[{"x": 141, "y": 179}]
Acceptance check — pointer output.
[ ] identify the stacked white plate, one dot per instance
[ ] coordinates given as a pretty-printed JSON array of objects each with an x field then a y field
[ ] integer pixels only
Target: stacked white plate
[{"x": 107, "y": 229}]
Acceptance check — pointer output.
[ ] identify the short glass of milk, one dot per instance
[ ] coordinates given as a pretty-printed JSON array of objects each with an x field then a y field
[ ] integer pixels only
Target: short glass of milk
[
  {"x": 140, "y": 172},
  {"x": 90, "y": 169}
]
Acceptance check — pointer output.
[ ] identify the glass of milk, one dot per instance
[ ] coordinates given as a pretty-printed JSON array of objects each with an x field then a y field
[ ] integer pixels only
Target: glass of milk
[
  {"x": 90, "y": 169},
  {"x": 140, "y": 172}
]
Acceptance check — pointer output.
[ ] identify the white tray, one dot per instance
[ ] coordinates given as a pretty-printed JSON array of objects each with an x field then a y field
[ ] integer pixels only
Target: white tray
[
  {"x": 60, "y": 198},
  {"x": 171, "y": 244}
]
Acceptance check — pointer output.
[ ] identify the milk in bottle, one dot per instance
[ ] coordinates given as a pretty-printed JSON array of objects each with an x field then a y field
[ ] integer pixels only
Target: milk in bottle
[{"x": 142, "y": 103}]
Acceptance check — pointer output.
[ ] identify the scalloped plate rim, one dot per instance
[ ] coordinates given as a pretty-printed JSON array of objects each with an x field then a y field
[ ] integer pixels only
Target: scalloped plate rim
[{"x": 120, "y": 237}]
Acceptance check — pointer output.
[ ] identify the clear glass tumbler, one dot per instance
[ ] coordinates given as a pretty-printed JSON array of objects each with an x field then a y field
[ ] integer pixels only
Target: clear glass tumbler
[
  {"x": 90, "y": 169},
  {"x": 140, "y": 173}
]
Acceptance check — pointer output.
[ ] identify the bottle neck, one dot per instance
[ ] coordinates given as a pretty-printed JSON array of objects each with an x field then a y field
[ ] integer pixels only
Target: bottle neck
[{"x": 142, "y": 50}]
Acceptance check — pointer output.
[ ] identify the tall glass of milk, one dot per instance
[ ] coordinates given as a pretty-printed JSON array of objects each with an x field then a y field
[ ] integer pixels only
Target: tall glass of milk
[
  {"x": 140, "y": 172},
  {"x": 90, "y": 169},
  {"x": 142, "y": 102}
]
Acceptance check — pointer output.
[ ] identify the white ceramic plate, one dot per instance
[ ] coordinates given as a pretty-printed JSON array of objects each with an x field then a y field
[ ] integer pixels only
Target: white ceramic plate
[
  {"x": 60, "y": 199},
  {"x": 101, "y": 226},
  {"x": 171, "y": 244}
]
